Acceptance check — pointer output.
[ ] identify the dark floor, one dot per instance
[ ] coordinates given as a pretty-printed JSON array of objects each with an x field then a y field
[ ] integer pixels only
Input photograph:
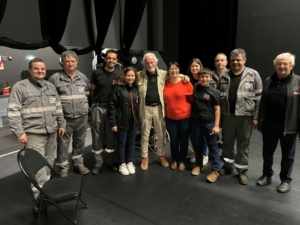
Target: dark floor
[{"x": 160, "y": 196}]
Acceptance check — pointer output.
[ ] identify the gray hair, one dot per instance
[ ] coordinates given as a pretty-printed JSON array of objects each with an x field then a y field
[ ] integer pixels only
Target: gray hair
[
  {"x": 68, "y": 53},
  {"x": 285, "y": 55},
  {"x": 149, "y": 54},
  {"x": 238, "y": 51},
  {"x": 222, "y": 55}
]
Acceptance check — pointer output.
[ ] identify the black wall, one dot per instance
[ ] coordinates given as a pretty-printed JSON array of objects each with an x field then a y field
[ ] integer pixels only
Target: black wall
[{"x": 267, "y": 28}]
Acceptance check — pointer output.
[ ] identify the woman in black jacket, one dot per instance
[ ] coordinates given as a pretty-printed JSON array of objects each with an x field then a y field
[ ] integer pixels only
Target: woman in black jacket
[{"x": 124, "y": 117}]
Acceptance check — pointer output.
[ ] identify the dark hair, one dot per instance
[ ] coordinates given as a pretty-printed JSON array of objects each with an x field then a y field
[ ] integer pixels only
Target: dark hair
[
  {"x": 173, "y": 63},
  {"x": 122, "y": 76},
  {"x": 35, "y": 60},
  {"x": 111, "y": 51},
  {"x": 205, "y": 71},
  {"x": 238, "y": 51},
  {"x": 196, "y": 60}
]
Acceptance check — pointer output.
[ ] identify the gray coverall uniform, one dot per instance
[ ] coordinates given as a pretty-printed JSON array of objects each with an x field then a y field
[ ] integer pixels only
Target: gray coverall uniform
[
  {"x": 73, "y": 96},
  {"x": 238, "y": 127},
  {"x": 34, "y": 108}
]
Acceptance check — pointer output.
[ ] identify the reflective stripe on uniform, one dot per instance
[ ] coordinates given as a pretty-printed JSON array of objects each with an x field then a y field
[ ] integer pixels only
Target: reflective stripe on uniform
[
  {"x": 58, "y": 104},
  {"x": 59, "y": 111},
  {"x": 223, "y": 93},
  {"x": 245, "y": 93},
  {"x": 109, "y": 150},
  {"x": 97, "y": 152},
  {"x": 12, "y": 106},
  {"x": 62, "y": 163},
  {"x": 229, "y": 160},
  {"x": 76, "y": 156},
  {"x": 69, "y": 97},
  {"x": 241, "y": 166},
  {"x": 38, "y": 109},
  {"x": 13, "y": 114}
]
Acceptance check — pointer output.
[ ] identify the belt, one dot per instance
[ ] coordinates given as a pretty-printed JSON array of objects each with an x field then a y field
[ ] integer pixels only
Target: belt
[
  {"x": 99, "y": 104},
  {"x": 152, "y": 104}
]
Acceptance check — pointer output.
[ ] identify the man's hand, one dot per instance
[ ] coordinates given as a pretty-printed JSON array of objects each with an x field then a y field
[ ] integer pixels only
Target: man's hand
[
  {"x": 255, "y": 124},
  {"x": 215, "y": 130},
  {"x": 22, "y": 139},
  {"x": 114, "y": 129},
  {"x": 61, "y": 131},
  {"x": 185, "y": 79}
]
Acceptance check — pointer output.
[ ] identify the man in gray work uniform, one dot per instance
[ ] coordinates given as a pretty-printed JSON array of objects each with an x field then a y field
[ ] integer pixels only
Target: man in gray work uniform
[
  {"x": 73, "y": 88},
  {"x": 240, "y": 91},
  {"x": 35, "y": 115}
]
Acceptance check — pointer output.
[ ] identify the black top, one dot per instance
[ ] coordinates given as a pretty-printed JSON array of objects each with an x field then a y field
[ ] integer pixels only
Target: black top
[
  {"x": 232, "y": 95},
  {"x": 152, "y": 95},
  {"x": 104, "y": 82},
  {"x": 276, "y": 99},
  {"x": 205, "y": 98}
]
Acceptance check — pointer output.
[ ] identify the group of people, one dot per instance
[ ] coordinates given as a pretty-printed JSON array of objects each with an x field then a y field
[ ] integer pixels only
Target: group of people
[{"x": 46, "y": 115}]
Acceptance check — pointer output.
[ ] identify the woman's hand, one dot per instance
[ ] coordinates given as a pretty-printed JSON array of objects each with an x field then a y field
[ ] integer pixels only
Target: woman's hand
[{"x": 114, "y": 129}]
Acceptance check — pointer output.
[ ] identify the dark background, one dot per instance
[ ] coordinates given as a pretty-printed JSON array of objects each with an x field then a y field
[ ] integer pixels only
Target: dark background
[{"x": 179, "y": 30}]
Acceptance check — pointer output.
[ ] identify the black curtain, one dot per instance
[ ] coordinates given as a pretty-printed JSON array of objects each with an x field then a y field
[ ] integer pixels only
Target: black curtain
[
  {"x": 133, "y": 13},
  {"x": 104, "y": 10},
  {"x": 206, "y": 27},
  {"x": 2, "y": 8}
]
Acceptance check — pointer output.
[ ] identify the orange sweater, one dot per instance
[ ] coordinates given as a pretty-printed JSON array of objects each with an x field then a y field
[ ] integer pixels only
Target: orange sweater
[{"x": 177, "y": 102}]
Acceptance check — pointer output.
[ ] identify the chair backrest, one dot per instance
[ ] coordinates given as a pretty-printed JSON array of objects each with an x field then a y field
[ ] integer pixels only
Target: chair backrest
[{"x": 30, "y": 162}]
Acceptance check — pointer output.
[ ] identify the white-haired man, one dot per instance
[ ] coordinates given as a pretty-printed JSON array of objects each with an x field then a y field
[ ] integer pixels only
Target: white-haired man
[
  {"x": 279, "y": 119},
  {"x": 152, "y": 109}
]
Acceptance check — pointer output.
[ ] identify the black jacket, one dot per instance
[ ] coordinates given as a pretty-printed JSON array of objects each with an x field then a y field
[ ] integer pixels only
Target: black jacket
[
  {"x": 121, "y": 98},
  {"x": 292, "y": 116}
]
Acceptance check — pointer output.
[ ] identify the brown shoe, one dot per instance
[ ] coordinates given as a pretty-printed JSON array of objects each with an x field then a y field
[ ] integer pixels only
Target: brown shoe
[
  {"x": 81, "y": 169},
  {"x": 173, "y": 165},
  {"x": 64, "y": 175},
  {"x": 162, "y": 160},
  {"x": 213, "y": 176},
  {"x": 243, "y": 178},
  {"x": 144, "y": 164},
  {"x": 196, "y": 170},
  {"x": 181, "y": 167}
]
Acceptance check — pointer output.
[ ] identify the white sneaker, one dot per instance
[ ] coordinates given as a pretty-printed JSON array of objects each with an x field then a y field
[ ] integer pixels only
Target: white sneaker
[
  {"x": 123, "y": 169},
  {"x": 131, "y": 168},
  {"x": 205, "y": 160},
  {"x": 193, "y": 158}
]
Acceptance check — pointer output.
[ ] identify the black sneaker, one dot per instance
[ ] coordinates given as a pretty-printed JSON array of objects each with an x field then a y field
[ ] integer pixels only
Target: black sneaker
[
  {"x": 284, "y": 187},
  {"x": 264, "y": 180}
]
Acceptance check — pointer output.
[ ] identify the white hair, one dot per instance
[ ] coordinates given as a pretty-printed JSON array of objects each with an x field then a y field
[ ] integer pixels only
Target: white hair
[
  {"x": 149, "y": 54},
  {"x": 285, "y": 55}
]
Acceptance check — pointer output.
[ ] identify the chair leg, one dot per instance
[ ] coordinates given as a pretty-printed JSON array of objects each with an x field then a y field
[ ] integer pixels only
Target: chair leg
[
  {"x": 84, "y": 203},
  {"x": 72, "y": 221}
]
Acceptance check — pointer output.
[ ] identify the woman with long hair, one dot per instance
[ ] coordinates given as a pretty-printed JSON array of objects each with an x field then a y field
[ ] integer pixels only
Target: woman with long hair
[{"x": 124, "y": 117}]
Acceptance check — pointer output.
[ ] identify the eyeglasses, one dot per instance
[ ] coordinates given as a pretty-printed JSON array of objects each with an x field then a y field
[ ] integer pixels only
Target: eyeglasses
[{"x": 282, "y": 64}]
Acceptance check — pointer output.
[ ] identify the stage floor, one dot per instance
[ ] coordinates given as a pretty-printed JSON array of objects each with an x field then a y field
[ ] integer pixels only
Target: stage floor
[{"x": 160, "y": 195}]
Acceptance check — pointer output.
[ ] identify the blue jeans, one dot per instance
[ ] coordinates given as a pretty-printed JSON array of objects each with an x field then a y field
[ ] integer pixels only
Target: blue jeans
[
  {"x": 271, "y": 133},
  {"x": 179, "y": 131},
  {"x": 126, "y": 144},
  {"x": 201, "y": 130},
  {"x": 194, "y": 140}
]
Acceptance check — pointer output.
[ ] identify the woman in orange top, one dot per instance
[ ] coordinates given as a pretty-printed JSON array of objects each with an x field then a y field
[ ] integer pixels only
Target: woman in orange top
[{"x": 177, "y": 97}]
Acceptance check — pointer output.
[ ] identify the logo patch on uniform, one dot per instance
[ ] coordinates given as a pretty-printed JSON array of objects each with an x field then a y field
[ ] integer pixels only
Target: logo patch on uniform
[
  {"x": 248, "y": 85},
  {"x": 206, "y": 96},
  {"x": 52, "y": 100},
  {"x": 296, "y": 90},
  {"x": 81, "y": 89}
]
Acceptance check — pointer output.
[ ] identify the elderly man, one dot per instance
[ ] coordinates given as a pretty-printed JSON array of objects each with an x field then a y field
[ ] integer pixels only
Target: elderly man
[
  {"x": 73, "y": 88},
  {"x": 35, "y": 115},
  {"x": 279, "y": 119},
  {"x": 152, "y": 108},
  {"x": 220, "y": 68},
  {"x": 240, "y": 91}
]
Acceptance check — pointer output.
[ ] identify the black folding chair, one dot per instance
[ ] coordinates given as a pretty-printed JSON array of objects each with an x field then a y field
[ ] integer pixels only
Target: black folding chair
[{"x": 54, "y": 191}]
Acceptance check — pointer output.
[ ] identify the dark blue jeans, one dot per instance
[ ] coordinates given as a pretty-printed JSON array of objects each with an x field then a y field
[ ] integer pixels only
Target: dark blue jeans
[
  {"x": 194, "y": 140},
  {"x": 179, "y": 131},
  {"x": 201, "y": 130},
  {"x": 271, "y": 133},
  {"x": 126, "y": 144}
]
